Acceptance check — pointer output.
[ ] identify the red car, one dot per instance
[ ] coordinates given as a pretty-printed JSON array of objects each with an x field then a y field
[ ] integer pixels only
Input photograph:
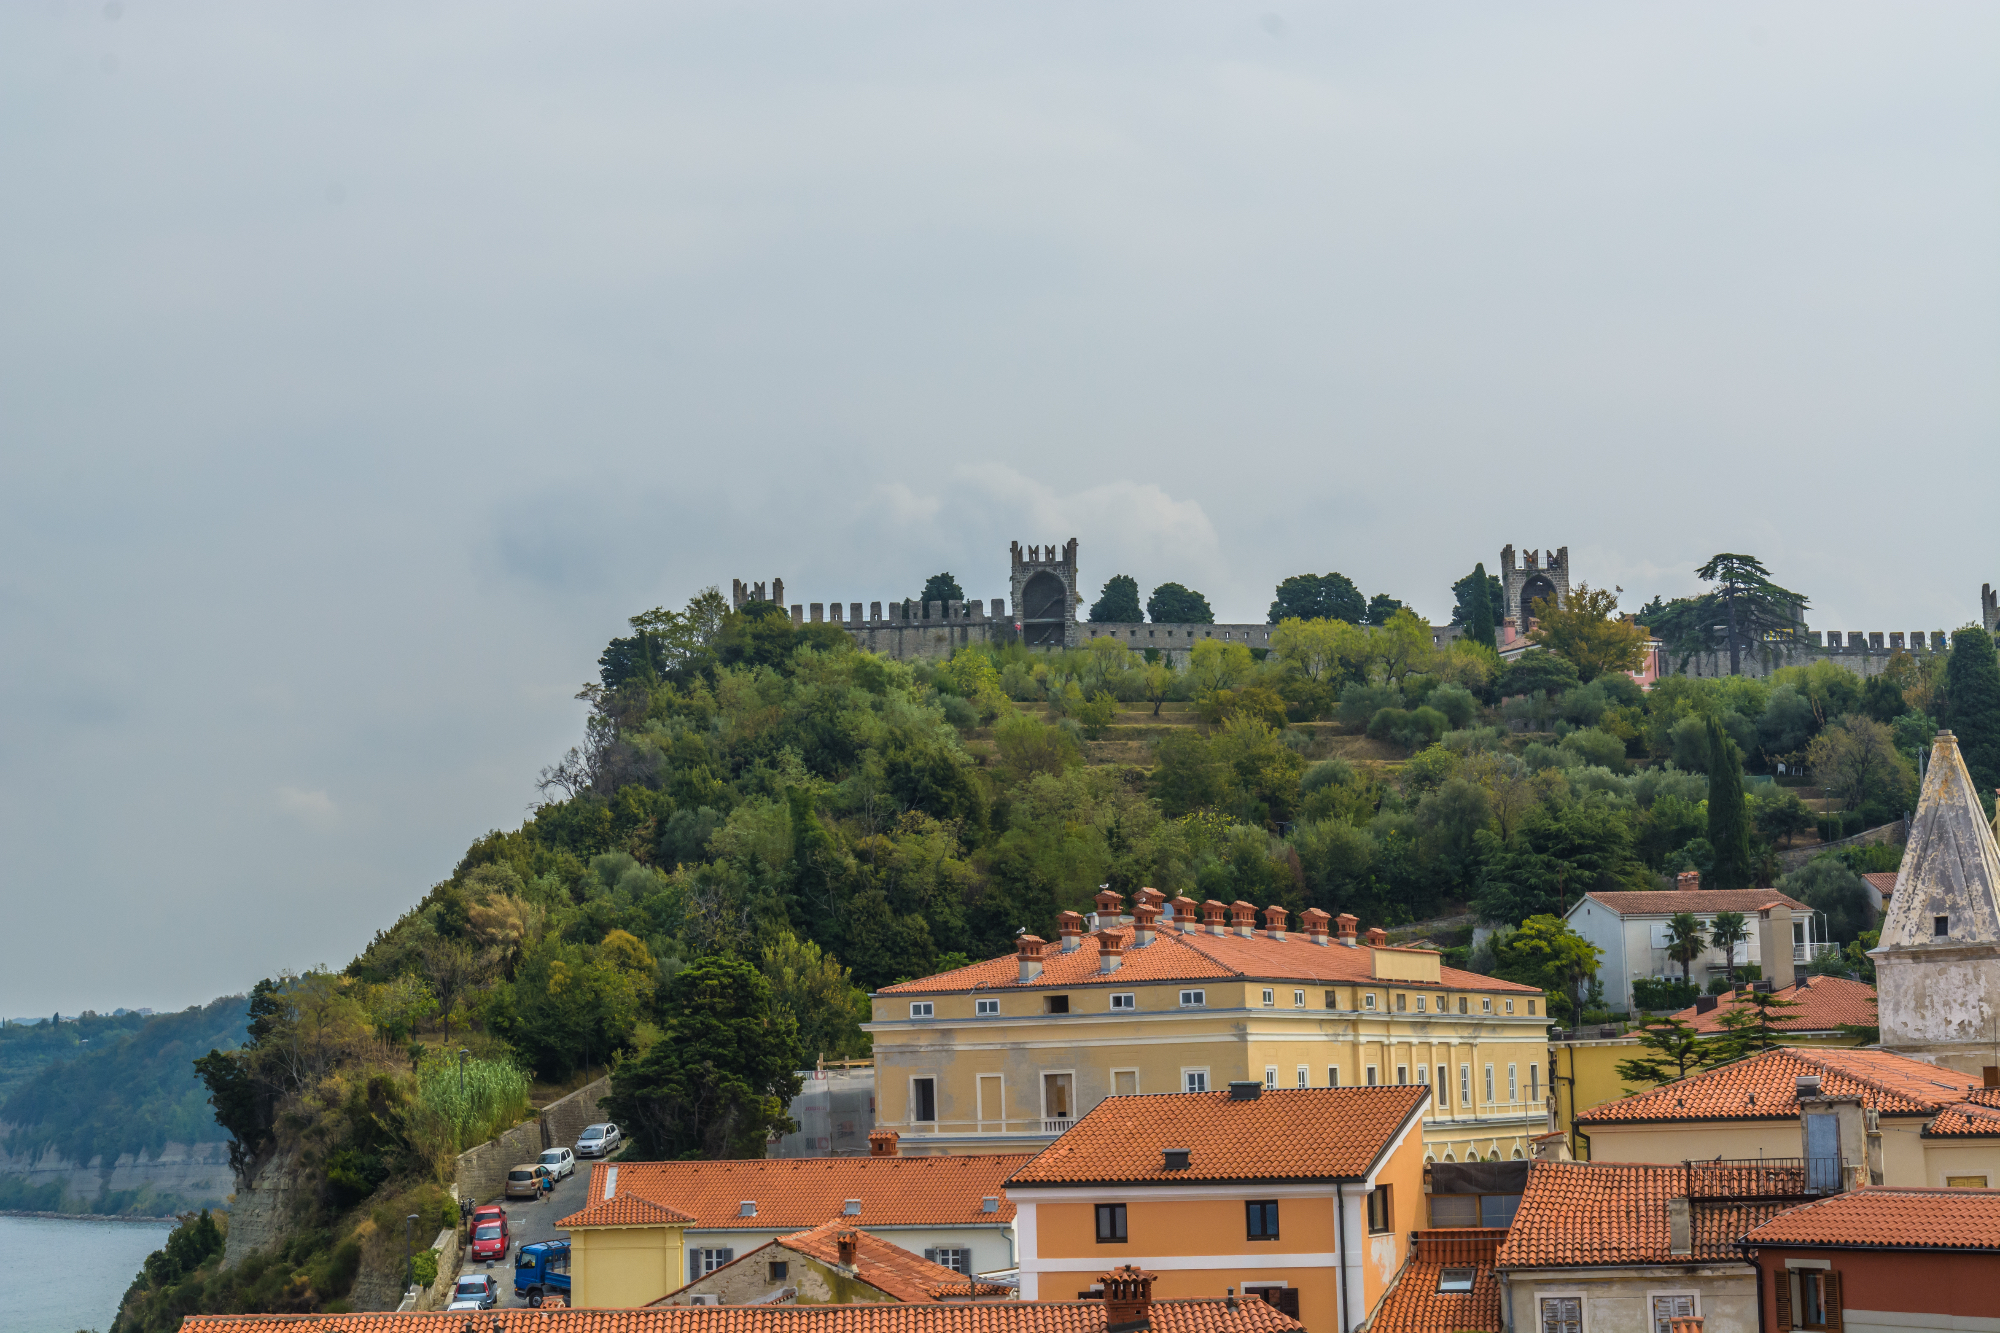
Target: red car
[{"x": 489, "y": 1234}]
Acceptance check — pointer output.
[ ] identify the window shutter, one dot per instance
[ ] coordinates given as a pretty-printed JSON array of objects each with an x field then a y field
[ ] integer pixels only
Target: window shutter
[
  {"x": 1781, "y": 1288},
  {"x": 724, "y": 1257},
  {"x": 930, "y": 1255},
  {"x": 694, "y": 1266},
  {"x": 1288, "y": 1301},
  {"x": 1831, "y": 1286}
]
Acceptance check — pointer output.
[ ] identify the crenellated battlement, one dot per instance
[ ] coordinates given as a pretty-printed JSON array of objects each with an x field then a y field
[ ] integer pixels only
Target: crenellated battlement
[{"x": 1875, "y": 641}]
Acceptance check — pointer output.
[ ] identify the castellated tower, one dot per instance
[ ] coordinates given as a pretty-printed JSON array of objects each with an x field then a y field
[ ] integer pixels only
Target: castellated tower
[
  {"x": 1045, "y": 595},
  {"x": 1522, "y": 586},
  {"x": 1937, "y": 969}
]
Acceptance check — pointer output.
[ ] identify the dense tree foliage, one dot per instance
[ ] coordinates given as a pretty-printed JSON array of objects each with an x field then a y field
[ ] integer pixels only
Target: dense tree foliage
[
  {"x": 1585, "y": 630},
  {"x": 940, "y": 588},
  {"x": 1319, "y": 597},
  {"x": 1972, "y": 711},
  {"x": 1481, "y": 604},
  {"x": 1742, "y": 609},
  {"x": 1173, "y": 604},
  {"x": 1119, "y": 603}
]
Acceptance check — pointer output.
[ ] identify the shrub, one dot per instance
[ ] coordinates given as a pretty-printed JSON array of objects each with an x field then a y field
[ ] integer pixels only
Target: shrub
[
  {"x": 959, "y": 712},
  {"x": 1597, "y": 747},
  {"x": 1455, "y": 702},
  {"x": 1411, "y": 729},
  {"x": 1095, "y": 714},
  {"x": 1325, "y": 773},
  {"x": 1663, "y": 994},
  {"x": 424, "y": 1267},
  {"x": 1360, "y": 703}
]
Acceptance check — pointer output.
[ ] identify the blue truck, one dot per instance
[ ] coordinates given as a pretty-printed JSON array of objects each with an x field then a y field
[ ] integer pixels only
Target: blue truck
[{"x": 542, "y": 1269}]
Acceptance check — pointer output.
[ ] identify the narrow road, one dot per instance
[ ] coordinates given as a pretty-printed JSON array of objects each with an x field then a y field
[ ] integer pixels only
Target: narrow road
[{"x": 529, "y": 1222}]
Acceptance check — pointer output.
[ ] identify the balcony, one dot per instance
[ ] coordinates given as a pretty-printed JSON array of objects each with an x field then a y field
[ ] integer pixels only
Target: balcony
[
  {"x": 1057, "y": 1125},
  {"x": 1767, "y": 1177},
  {"x": 1806, "y": 953}
]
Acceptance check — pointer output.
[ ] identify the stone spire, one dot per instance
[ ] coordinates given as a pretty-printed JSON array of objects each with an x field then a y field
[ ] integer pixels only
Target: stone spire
[
  {"x": 1951, "y": 868},
  {"x": 1937, "y": 969}
]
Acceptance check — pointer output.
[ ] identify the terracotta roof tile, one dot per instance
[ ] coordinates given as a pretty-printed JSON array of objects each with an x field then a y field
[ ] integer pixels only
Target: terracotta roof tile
[
  {"x": 1667, "y": 902},
  {"x": 1977, "y": 1117},
  {"x": 1885, "y": 1082},
  {"x": 1282, "y": 1134},
  {"x": 1891, "y": 1217},
  {"x": 1210, "y": 1315},
  {"x": 886, "y": 1267},
  {"x": 1173, "y": 956},
  {"x": 797, "y": 1193},
  {"x": 1415, "y": 1305},
  {"x": 1824, "y": 1003},
  {"x": 1883, "y": 880},
  {"x": 1580, "y": 1214}
]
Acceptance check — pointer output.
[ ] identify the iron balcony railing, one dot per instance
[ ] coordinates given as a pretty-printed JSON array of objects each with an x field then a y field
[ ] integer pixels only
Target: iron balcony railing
[{"x": 1763, "y": 1177}]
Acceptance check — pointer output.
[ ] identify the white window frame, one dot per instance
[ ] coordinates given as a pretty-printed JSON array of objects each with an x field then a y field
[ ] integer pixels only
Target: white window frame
[
  {"x": 1333, "y": 1076},
  {"x": 1042, "y": 1085},
  {"x": 1423, "y": 1076},
  {"x": 1190, "y": 1076},
  {"x": 1372, "y": 1080},
  {"x": 1513, "y": 1083},
  {"x": 923, "y": 1009},
  {"x": 980, "y": 1109},
  {"x": 1486, "y": 1004},
  {"x": 1368, "y": 1000},
  {"x": 1298, "y": 999},
  {"x": 1194, "y": 999},
  {"x": 1133, "y": 1070},
  {"x": 986, "y": 1008},
  {"x": 1420, "y": 1004},
  {"x": 1126, "y": 1000},
  {"x": 1658, "y": 1292},
  {"x": 933, "y": 1081},
  {"x": 1465, "y": 1087},
  {"x": 1270, "y": 997},
  {"x": 1271, "y": 1077},
  {"x": 955, "y": 1257},
  {"x": 1305, "y": 1076},
  {"x": 1489, "y": 1085},
  {"x": 1510, "y": 1006}
]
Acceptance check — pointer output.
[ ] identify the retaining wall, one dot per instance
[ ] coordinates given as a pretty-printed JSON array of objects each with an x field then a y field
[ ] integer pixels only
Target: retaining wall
[
  {"x": 481, "y": 1173},
  {"x": 1794, "y": 857}
]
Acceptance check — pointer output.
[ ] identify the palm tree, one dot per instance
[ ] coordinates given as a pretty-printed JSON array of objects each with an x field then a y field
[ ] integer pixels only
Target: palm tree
[
  {"x": 1685, "y": 942},
  {"x": 1725, "y": 933}
]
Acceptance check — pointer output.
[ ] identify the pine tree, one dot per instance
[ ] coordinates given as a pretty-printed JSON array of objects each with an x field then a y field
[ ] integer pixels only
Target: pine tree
[
  {"x": 1481, "y": 628},
  {"x": 1972, "y": 705},
  {"x": 1673, "y": 1050},
  {"x": 1728, "y": 820}
]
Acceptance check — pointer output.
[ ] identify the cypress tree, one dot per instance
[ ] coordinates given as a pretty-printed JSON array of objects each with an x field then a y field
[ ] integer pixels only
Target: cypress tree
[
  {"x": 1481, "y": 628},
  {"x": 1728, "y": 821},
  {"x": 1972, "y": 705}
]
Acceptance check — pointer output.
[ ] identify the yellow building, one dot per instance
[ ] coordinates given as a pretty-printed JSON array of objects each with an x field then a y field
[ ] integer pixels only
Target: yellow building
[
  {"x": 624, "y": 1250},
  {"x": 1174, "y": 998},
  {"x": 1583, "y": 1063}
]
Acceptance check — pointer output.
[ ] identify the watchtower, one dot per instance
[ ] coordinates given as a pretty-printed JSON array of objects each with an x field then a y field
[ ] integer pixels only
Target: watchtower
[
  {"x": 1045, "y": 594},
  {"x": 1532, "y": 580},
  {"x": 1989, "y": 607}
]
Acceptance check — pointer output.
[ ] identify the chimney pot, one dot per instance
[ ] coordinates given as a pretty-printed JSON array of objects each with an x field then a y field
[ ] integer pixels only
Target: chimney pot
[
  {"x": 1688, "y": 881},
  {"x": 1186, "y": 913},
  {"x": 1212, "y": 912},
  {"x": 1243, "y": 918},
  {"x": 1377, "y": 937},
  {"x": 1346, "y": 922},
  {"x": 1069, "y": 925},
  {"x": 1143, "y": 916},
  {"x": 1110, "y": 951},
  {"x": 1128, "y": 1299},
  {"x": 846, "y": 1241},
  {"x": 882, "y": 1143},
  {"x": 1110, "y": 904},
  {"x": 1274, "y": 921}
]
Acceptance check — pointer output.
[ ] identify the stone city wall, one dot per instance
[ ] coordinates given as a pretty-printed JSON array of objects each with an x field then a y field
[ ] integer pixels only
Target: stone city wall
[{"x": 1863, "y": 653}]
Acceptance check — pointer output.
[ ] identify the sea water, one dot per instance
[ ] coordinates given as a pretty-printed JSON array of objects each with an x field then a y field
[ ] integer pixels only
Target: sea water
[{"x": 62, "y": 1274}]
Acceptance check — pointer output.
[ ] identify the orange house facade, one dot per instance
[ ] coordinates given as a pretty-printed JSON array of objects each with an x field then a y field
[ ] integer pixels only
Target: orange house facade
[{"x": 1304, "y": 1198}]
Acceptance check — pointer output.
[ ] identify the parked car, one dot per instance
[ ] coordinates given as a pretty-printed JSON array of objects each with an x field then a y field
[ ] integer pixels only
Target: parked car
[
  {"x": 483, "y": 1213},
  {"x": 477, "y": 1292},
  {"x": 559, "y": 1160},
  {"x": 598, "y": 1140},
  {"x": 489, "y": 1237},
  {"x": 541, "y": 1272},
  {"x": 525, "y": 1181}
]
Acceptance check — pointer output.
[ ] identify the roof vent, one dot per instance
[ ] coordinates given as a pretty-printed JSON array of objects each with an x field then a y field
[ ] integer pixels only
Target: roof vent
[
  {"x": 610, "y": 1182},
  {"x": 1704, "y": 1003},
  {"x": 1174, "y": 1159},
  {"x": 1246, "y": 1090},
  {"x": 989, "y": 1204},
  {"x": 1808, "y": 1085},
  {"x": 748, "y": 1208},
  {"x": 853, "y": 1208}
]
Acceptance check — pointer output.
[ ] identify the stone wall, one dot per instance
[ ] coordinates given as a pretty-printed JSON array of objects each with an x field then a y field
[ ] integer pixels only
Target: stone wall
[
  {"x": 481, "y": 1173},
  {"x": 1864, "y": 653}
]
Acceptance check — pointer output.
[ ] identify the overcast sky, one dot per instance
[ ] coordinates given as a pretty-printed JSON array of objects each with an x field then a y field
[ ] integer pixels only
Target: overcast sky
[{"x": 364, "y": 365}]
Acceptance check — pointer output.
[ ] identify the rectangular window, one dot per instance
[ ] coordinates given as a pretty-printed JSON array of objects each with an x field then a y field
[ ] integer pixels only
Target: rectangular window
[
  {"x": 922, "y": 1009},
  {"x": 1371, "y": 1076},
  {"x": 1194, "y": 1080},
  {"x": 1333, "y": 1076},
  {"x": 1513, "y": 1083},
  {"x": 1368, "y": 1000},
  {"x": 1056, "y": 1101},
  {"x": 1420, "y": 1004},
  {"x": 1125, "y": 1000},
  {"x": 1818, "y": 1293},
  {"x": 1270, "y": 997},
  {"x": 1461, "y": 1004},
  {"x": 1489, "y": 1083},
  {"x": 1402, "y": 1075},
  {"x": 986, "y": 1008},
  {"x": 1261, "y": 1219},
  {"x": 1965, "y": 1182},
  {"x": 1510, "y": 1006},
  {"x": 1270, "y": 1076},
  {"x": 1055, "y": 1004},
  {"x": 923, "y": 1099},
  {"x": 1534, "y": 1083},
  {"x": 1465, "y": 1085},
  {"x": 1562, "y": 1314},
  {"x": 1424, "y": 1075},
  {"x": 1305, "y": 1077},
  {"x": 993, "y": 1100},
  {"x": 1444, "y": 1085},
  {"x": 1455, "y": 1280},
  {"x": 1110, "y": 1224},
  {"x": 1124, "y": 1083},
  {"x": 1332, "y": 1000},
  {"x": 1298, "y": 999},
  {"x": 951, "y": 1257},
  {"x": 1531, "y": 1008},
  {"x": 780, "y": 1270},
  {"x": 1194, "y": 999},
  {"x": 707, "y": 1261},
  {"x": 1381, "y": 1216},
  {"x": 1666, "y": 1309},
  {"x": 1402, "y": 1002},
  {"x": 1486, "y": 1006}
]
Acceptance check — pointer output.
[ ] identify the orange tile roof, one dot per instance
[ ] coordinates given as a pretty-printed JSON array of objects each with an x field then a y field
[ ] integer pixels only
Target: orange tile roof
[
  {"x": 1209, "y": 1315},
  {"x": 1668, "y": 901},
  {"x": 1282, "y": 1134},
  {"x": 793, "y": 1194},
  {"x": 622, "y": 1210},
  {"x": 1977, "y": 1117},
  {"x": 1891, "y": 1218},
  {"x": 1173, "y": 956},
  {"x": 1764, "y": 1086},
  {"x": 1583, "y": 1214},
  {"x": 1883, "y": 880},
  {"x": 1824, "y": 1003},
  {"x": 888, "y": 1268},
  {"x": 1415, "y": 1305}
]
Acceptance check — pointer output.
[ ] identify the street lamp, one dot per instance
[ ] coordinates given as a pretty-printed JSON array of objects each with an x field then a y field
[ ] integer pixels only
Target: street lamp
[{"x": 409, "y": 1251}]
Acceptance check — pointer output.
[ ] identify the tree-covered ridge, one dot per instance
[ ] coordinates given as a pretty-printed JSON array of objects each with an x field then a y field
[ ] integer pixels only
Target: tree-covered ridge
[{"x": 27, "y": 1047}]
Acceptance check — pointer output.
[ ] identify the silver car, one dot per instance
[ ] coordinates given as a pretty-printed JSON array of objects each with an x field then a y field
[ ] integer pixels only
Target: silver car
[{"x": 598, "y": 1140}]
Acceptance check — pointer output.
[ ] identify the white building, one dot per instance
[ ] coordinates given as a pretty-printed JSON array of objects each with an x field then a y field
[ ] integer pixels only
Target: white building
[{"x": 1631, "y": 929}]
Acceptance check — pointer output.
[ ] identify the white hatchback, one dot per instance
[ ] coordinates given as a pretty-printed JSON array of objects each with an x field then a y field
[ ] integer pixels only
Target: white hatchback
[{"x": 559, "y": 1160}]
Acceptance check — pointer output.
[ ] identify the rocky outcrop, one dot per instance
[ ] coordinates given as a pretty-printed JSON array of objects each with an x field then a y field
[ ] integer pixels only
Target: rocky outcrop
[
  {"x": 182, "y": 1177},
  {"x": 261, "y": 1212}
]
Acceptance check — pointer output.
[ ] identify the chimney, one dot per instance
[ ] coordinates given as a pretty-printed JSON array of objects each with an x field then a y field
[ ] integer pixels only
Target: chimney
[
  {"x": 1313, "y": 922},
  {"x": 847, "y": 1241},
  {"x": 1211, "y": 917},
  {"x": 1128, "y": 1300},
  {"x": 1347, "y": 921},
  {"x": 882, "y": 1143},
  {"x": 1029, "y": 949},
  {"x": 1243, "y": 918},
  {"x": 1110, "y": 951},
  {"x": 1143, "y": 914},
  {"x": 1989, "y": 1076},
  {"x": 1274, "y": 921},
  {"x": 1110, "y": 906},
  {"x": 1151, "y": 897},
  {"x": 1686, "y": 1323},
  {"x": 1377, "y": 937},
  {"x": 1688, "y": 881},
  {"x": 1705, "y": 1003},
  {"x": 1808, "y": 1086},
  {"x": 1245, "y": 1090},
  {"x": 1069, "y": 925},
  {"x": 1173, "y": 1159},
  {"x": 1774, "y": 945},
  {"x": 1680, "y": 1228},
  {"x": 1186, "y": 912}
]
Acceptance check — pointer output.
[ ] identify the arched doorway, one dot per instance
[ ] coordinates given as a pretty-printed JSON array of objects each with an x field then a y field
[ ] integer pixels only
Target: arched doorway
[
  {"x": 1532, "y": 591},
  {"x": 1044, "y": 609}
]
